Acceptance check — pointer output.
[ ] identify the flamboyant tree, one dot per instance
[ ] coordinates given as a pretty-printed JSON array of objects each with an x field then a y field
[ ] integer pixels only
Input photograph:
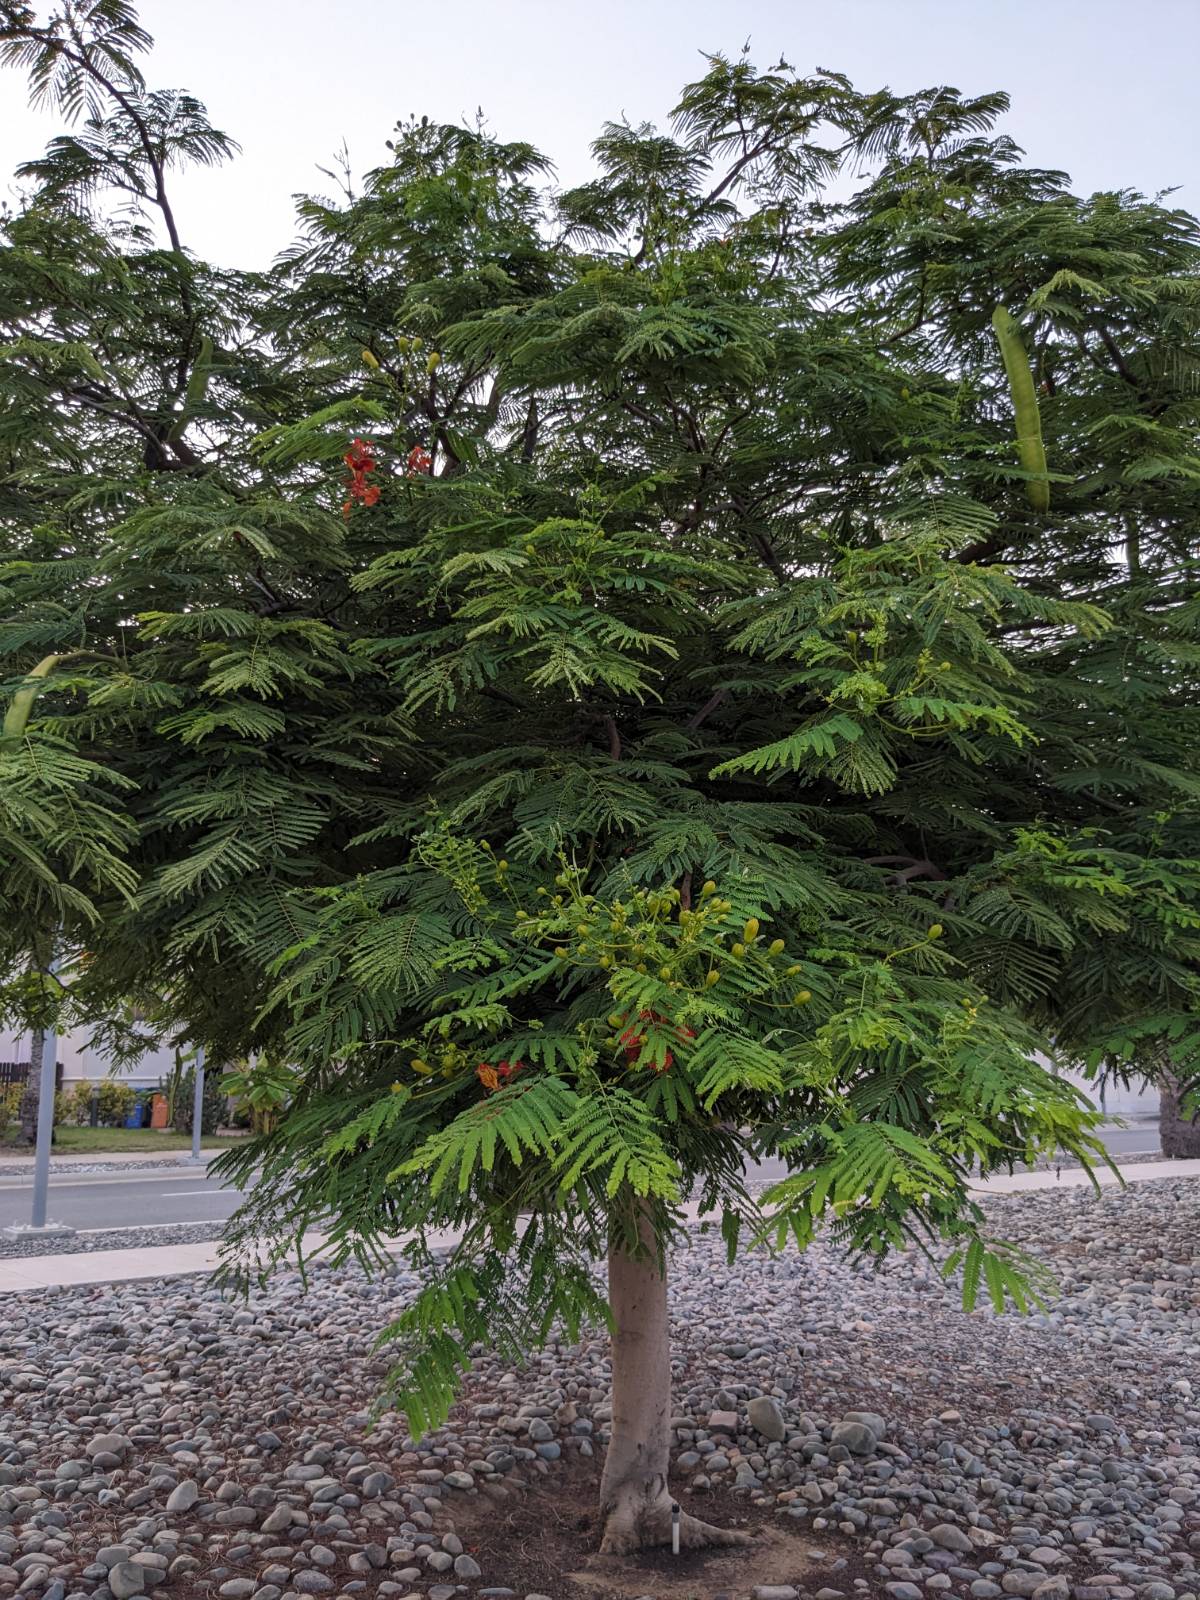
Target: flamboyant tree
[{"x": 609, "y": 684}]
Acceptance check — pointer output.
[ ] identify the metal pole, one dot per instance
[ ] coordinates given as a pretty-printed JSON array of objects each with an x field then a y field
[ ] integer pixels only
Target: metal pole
[
  {"x": 198, "y": 1103},
  {"x": 45, "y": 1121}
]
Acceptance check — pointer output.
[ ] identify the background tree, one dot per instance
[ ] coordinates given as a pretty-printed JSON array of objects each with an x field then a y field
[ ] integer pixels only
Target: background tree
[{"x": 739, "y": 698}]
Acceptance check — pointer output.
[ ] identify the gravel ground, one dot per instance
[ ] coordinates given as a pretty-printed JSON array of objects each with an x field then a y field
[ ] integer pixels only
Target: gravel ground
[
  {"x": 88, "y": 1169},
  {"x": 68, "y": 1244},
  {"x": 155, "y": 1437}
]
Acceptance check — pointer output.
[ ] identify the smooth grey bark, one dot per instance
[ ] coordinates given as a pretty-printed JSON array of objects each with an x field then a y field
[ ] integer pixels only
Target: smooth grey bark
[
  {"x": 31, "y": 1096},
  {"x": 635, "y": 1501},
  {"x": 1179, "y": 1130}
]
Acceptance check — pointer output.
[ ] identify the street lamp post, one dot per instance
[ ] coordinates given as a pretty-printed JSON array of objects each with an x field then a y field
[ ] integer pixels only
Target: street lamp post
[
  {"x": 45, "y": 1132},
  {"x": 198, "y": 1103}
]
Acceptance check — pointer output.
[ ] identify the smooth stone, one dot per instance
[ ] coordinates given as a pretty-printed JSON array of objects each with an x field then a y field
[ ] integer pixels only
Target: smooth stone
[
  {"x": 125, "y": 1580},
  {"x": 855, "y": 1437},
  {"x": 871, "y": 1419},
  {"x": 766, "y": 1417},
  {"x": 951, "y": 1538},
  {"x": 309, "y": 1582},
  {"x": 183, "y": 1496}
]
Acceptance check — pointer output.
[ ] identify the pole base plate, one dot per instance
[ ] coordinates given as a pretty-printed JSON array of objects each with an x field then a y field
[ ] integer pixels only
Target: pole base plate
[{"x": 24, "y": 1232}]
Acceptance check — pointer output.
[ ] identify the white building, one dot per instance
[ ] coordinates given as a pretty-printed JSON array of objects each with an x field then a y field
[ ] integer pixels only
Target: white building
[
  {"x": 79, "y": 1063},
  {"x": 1117, "y": 1099}
]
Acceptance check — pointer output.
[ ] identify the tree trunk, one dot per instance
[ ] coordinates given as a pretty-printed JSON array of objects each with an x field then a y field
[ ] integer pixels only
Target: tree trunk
[
  {"x": 1179, "y": 1130},
  {"x": 32, "y": 1094},
  {"x": 635, "y": 1502}
]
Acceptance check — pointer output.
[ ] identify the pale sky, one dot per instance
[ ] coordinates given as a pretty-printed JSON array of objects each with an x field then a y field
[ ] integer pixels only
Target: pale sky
[{"x": 1102, "y": 88}]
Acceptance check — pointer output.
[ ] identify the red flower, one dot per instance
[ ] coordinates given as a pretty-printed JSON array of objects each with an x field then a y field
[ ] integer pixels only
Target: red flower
[
  {"x": 634, "y": 1041},
  {"x": 419, "y": 461},
  {"x": 493, "y": 1078},
  {"x": 358, "y": 457},
  {"x": 359, "y": 461}
]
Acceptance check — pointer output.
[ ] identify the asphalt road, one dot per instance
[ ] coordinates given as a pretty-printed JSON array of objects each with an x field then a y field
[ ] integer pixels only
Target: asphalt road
[
  {"x": 141, "y": 1200},
  {"x": 148, "y": 1199}
]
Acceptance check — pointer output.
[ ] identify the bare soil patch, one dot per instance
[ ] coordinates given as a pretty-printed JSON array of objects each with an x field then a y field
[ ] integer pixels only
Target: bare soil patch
[{"x": 546, "y": 1541}]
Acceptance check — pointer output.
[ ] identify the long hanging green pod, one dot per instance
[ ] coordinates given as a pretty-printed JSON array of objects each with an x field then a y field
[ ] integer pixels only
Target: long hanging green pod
[
  {"x": 1024, "y": 398},
  {"x": 17, "y": 715},
  {"x": 197, "y": 387}
]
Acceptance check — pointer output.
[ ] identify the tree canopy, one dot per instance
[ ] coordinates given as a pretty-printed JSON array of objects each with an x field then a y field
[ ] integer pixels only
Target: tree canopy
[{"x": 607, "y": 683}]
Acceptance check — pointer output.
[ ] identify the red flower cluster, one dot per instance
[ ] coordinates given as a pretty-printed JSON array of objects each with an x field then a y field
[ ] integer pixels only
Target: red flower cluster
[
  {"x": 493, "y": 1078},
  {"x": 419, "y": 461},
  {"x": 359, "y": 461},
  {"x": 634, "y": 1041}
]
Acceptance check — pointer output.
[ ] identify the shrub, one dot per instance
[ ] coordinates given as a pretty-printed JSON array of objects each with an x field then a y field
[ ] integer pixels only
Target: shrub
[
  {"x": 73, "y": 1108},
  {"x": 10, "y": 1108},
  {"x": 117, "y": 1100}
]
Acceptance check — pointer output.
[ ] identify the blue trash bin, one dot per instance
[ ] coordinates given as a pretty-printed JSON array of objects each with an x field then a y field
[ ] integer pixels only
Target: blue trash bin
[{"x": 141, "y": 1108}]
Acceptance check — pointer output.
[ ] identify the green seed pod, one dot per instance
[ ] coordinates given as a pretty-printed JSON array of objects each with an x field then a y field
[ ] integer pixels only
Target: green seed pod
[
  {"x": 1024, "y": 398},
  {"x": 21, "y": 705},
  {"x": 936, "y": 931},
  {"x": 801, "y": 997},
  {"x": 711, "y": 977}
]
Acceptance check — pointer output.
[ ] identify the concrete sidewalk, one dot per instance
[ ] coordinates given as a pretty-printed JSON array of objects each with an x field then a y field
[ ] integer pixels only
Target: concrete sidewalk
[
  {"x": 22, "y": 1274},
  {"x": 1076, "y": 1177}
]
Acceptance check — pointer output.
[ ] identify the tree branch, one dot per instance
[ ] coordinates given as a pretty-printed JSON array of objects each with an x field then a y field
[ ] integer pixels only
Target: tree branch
[
  {"x": 759, "y": 540},
  {"x": 910, "y": 867},
  {"x": 706, "y": 710}
]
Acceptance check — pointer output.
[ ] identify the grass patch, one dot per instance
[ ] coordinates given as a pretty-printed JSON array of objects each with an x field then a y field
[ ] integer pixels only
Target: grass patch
[{"x": 118, "y": 1141}]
